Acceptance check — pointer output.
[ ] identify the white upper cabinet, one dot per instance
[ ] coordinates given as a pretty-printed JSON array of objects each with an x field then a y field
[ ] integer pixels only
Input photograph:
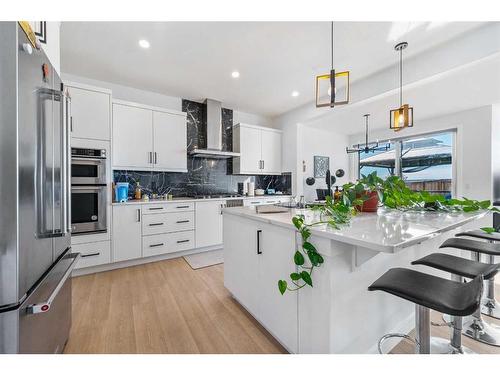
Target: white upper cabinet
[
  {"x": 146, "y": 138},
  {"x": 271, "y": 152},
  {"x": 90, "y": 112},
  {"x": 169, "y": 142},
  {"x": 132, "y": 137},
  {"x": 260, "y": 150}
]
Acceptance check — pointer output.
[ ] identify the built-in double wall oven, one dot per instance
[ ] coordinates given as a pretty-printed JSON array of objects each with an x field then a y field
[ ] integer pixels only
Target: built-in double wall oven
[{"x": 88, "y": 191}]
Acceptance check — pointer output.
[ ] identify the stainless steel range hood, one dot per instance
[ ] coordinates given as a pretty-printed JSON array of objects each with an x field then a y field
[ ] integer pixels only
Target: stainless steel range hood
[{"x": 213, "y": 119}]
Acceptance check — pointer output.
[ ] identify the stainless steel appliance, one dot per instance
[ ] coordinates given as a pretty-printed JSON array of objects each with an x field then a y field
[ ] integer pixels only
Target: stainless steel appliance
[
  {"x": 35, "y": 258},
  {"x": 88, "y": 191},
  {"x": 88, "y": 209},
  {"x": 88, "y": 166}
]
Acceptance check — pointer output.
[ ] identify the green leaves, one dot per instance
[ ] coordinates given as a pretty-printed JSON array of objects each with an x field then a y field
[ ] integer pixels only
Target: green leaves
[
  {"x": 306, "y": 277},
  {"x": 282, "y": 285},
  {"x": 488, "y": 230},
  {"x": 298, "y": 258},
  {"x": 392, "y": 192}
]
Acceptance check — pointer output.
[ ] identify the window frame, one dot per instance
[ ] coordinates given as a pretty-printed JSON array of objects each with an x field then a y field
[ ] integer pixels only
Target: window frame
[{"x": 398, "y": 143}]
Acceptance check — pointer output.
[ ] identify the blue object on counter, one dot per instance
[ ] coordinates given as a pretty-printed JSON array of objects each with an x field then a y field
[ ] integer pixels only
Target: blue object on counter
[
  {"x": 121, "y": 191},
  {"x": 271, "y": 191}
]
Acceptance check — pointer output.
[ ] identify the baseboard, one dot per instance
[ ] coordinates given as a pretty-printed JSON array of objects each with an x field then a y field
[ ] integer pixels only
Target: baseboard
[{"x": 139, "y": 261}]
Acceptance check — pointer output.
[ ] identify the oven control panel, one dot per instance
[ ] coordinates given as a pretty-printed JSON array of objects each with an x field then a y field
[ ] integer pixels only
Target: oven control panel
[{"x": 88, "y": 153}]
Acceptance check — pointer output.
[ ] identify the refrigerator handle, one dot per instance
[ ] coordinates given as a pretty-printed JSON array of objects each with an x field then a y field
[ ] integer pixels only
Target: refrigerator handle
[
  {"x": 43, "y": 307},
  {"x": 46, "y": 94},
  {"x": 66, "y": 131}
]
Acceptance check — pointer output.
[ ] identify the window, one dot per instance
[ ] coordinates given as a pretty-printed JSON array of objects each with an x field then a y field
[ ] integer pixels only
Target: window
[{"x": 425, "y": 162}]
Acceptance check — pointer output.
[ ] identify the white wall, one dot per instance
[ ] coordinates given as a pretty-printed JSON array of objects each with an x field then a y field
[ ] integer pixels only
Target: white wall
[
  {"x": 473, "y": 147},
  {"x": 313, "y": 141},
  {"x": 158, "y": 100}
]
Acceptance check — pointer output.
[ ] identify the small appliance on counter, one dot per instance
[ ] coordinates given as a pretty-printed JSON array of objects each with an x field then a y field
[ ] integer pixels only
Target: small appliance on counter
[
  {"x": 251, "y": 189},
  {"x": 259, "y": 191},
  {"x": 121, "y": 191},
  {"x": 271, "y": 191}
]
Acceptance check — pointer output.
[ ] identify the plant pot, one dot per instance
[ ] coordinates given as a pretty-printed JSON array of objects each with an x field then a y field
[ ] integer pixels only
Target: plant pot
[{"x": 371, "y": 202}]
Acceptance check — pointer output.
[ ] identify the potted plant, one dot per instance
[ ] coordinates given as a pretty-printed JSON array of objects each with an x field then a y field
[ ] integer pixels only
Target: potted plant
[{"x": 365, "y": 194}]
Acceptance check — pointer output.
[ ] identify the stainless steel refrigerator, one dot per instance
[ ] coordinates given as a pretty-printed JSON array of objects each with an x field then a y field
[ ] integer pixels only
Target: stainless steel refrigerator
[{"x": 35, "y": 254}]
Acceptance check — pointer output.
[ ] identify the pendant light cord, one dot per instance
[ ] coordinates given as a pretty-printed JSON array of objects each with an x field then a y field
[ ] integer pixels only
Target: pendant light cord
[
  {"x": 401, "y": 77},
  {"x": 366, "y": 131},
  {"x": 332, "y": 44}
]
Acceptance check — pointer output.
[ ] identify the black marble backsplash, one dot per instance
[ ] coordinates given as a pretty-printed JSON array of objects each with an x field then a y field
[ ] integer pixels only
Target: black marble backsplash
[{"x": 204, "y": 176}]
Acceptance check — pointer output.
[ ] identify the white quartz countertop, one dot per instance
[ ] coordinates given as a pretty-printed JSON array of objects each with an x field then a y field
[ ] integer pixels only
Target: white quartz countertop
[
  {"x": 186, "y": 199},
  {"x": 385, "y": 231}
]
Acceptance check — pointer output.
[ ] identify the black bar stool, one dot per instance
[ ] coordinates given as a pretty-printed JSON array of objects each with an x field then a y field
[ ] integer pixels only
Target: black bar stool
[
  {"x": 489, "y": 305},
  {"x": 461, "y": 268},
  {"x": 476, "y": 327},
  {"x": 429, "y": 292}
]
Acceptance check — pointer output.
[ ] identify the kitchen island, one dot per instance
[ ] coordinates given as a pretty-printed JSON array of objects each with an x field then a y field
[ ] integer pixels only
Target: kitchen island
[{"x": 337, "y": 315}]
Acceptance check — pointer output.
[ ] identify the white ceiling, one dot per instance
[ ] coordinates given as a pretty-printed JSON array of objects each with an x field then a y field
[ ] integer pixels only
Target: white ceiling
[{"x": 194, "y": 60}]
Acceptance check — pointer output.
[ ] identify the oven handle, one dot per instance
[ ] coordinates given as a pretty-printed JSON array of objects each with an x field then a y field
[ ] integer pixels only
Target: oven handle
[
  {"x": 89, "y": 160},
  {"x": 43, "y": 307},
  {"x": 88, "y": 187}
]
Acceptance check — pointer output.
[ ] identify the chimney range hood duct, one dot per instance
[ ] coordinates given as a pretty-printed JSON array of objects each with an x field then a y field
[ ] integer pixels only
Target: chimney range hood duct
[{"x": 213, "y": 118}]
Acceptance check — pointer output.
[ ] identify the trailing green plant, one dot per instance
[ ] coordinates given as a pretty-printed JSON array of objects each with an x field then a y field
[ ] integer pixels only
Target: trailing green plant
[{"x": 393, "y": 193}]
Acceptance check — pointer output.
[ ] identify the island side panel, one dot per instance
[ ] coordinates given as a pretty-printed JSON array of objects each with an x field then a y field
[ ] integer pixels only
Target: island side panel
[{"x": 256, "y": 256}]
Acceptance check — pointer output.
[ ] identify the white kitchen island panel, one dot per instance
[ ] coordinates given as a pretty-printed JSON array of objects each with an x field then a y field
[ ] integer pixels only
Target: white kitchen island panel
[{"x": 339, "y": 314}]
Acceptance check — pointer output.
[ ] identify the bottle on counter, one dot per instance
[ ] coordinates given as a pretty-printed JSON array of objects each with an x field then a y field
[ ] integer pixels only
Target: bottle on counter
[
  {"x": 138, "y": 192},
  {"x": 336, "y": 194}
]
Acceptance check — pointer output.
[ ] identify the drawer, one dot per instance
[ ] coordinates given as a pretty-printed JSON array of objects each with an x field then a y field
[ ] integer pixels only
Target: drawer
[
  {"x": 167, "y": 243},
  {"x": 167, "y": 222},
  {"x": 159, "y": 208},
  {"x": 93, "y": 254}
]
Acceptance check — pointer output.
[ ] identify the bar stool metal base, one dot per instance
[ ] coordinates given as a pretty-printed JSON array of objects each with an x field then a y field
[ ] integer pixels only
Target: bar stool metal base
[
  {"x": 481, "y": 331},
  {"x": 443, "y": 346},
  {"x": 490, "y": 307}
]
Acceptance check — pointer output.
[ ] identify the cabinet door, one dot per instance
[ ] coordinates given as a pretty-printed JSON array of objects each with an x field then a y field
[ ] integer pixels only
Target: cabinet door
[
  {"x": 127, "y": 239},
  {"x": 241, "y": 261},
  {"x": 208, "y": 223},
  {"x": 170, "y": 142},
  {"x": 90, "y": 112},
  {"x": 271, "y": 152},
  {"x": 132, "y": 137},
  {"x": 250, "y": 150},
  {"x": 278, "y": 313}
]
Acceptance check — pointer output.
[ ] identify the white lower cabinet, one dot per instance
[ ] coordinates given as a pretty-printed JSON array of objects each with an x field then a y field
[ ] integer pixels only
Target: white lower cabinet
[
  {"x": 209, "y": 223},
  {"x": 167, "y": 243},
  {"x": 167, "y": 222},
  {"x": 252, "y": 269},
  {"x": 127, "y": 241},
  {"x": 92, "y": 254}
]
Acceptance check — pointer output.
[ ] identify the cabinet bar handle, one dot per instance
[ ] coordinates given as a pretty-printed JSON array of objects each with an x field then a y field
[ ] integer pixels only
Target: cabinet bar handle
[
  {"x": 258, "y": 241},
  {"x": 155, "y": 208},
  {"x": 90, "y": 255},
  {"x": 182, "y": 221},
  {"x": 182, "y": 241},
  {"x": 138, "y": 215},
  {"x": 155, "y": 224},
  {"x": 157, "y": 245},
  {"x": 182, "y": 207}
]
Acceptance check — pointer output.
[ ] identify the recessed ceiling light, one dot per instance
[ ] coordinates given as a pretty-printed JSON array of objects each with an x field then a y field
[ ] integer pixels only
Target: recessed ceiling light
[
  {"x": 295, "y": 94},
  {"x": 144, "y": 43},
  {"x": 235, "y": 74}
]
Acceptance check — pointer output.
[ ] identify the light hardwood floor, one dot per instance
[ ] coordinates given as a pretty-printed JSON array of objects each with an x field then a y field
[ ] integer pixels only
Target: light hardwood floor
[
  {"x": 166, "y": 307},
  {"x": 162, "y": 307}
]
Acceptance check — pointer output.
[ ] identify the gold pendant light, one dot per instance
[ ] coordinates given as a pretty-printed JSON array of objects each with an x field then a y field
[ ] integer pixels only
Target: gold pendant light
[
  {"x": 401, "y": 117},
  {"x": 327, "y": 94}
]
